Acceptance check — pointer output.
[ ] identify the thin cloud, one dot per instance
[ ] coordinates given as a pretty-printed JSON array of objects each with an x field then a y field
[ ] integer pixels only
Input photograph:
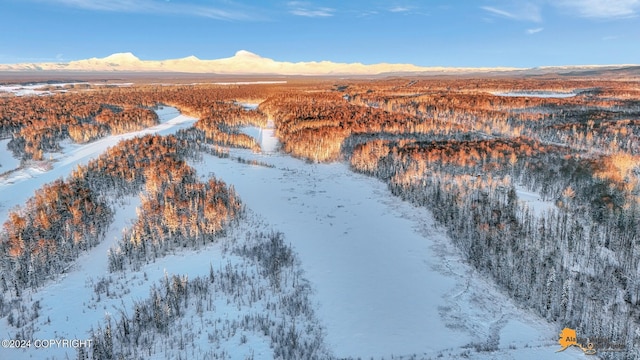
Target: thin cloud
[
  {"x": 534, "y": 31},
  {"x": 155, "y": 7},
  {"x": 601, "y": 8},
  {"x": 302, "y": 8},
  {"x": 400, "y": 9},
  {"x": 498, "y": 12},
  {"x": 525, "y": 12},
  {"x": 102, "y": 5},
  {"x": 367, "y": 13},
  {"x": 320, "y": 12},
  {"x": 407, "y": 10}
]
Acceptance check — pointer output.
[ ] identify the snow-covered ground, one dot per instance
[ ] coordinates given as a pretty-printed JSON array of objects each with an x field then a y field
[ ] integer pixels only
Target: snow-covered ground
[
  {"x": 250, "y": 82},
  {"x": 249, "y": 106},
  {"x": 7, "y": 161},
  {"x": 125, "y": 84},
  {"x": 39, "y": 88},
  {"x": 541, "y": 94},
  {"x": 386, "y": 279},
  {"x": 79, "y": 301},
  {"x": 371, "y": 270},
  {"x": 34, "y": 89},
  {"x": 534, "y": 202},
  {"x": 266, "y": 137},
  {"x": 23, "y": 90}
]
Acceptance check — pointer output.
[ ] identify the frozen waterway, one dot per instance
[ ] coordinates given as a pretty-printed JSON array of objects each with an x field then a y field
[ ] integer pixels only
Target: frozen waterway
[{"x": 386, "y": 279}]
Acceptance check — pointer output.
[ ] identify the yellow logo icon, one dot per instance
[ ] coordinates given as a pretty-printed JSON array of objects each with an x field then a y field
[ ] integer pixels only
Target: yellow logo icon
[{"x": 569, "y": 338}]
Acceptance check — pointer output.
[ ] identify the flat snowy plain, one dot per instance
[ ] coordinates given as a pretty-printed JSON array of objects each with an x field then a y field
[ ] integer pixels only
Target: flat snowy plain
[
  {"x": 541, "y": 94},
  {"x": 386, "y": 280}
]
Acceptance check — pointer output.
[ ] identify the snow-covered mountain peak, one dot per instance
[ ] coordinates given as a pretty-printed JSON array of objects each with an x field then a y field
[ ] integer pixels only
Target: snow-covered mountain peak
[
  {"x": 191, "y": 58},
  {"x": 246, "y": 54},
  {"x": 120, "y": 58}
]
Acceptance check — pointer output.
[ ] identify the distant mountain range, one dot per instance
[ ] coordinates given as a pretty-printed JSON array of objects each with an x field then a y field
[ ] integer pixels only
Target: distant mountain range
[{"x": 247, "y": 63}]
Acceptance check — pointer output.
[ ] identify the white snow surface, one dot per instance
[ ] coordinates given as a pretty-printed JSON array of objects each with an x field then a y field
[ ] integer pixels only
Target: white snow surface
[
  {"x": 35, "y": 88},
  {"x": 540, "y": 94},
  {"x": 7, "y": 161},
  {"x": 266, "y": 137},
  {"x": 23, "y": 90},
  {"x": 71, "y": 307},
  {"x": 387, "y": 280},
  {"x": 249, "y": 106},
  {"x": 534, "y": 201},
  {"x": 371, "y": 270},
  {"x": 251, "y": 82},
  {"x": 69, "y": 303}
]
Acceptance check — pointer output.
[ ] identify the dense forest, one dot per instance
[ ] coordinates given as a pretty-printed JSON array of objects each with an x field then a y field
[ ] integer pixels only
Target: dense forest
[{"x": 464, "y": 148}]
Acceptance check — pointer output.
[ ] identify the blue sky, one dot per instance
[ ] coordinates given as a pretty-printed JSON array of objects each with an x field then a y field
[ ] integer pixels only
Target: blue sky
[{"x": 473, "y": 33}]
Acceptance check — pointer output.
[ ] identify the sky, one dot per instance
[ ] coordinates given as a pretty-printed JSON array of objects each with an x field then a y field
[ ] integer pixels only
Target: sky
[{"x": 457, "y": 33}]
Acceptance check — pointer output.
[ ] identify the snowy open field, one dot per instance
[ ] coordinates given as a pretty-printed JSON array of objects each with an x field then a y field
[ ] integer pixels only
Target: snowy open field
[
  {"x": 7, "y": 161},
  {"x": 533, "y": 201},
  {"x": 35, "y": 88},
  {"x": 385, "y": 279},
  {"x": 540, "y": 94}
]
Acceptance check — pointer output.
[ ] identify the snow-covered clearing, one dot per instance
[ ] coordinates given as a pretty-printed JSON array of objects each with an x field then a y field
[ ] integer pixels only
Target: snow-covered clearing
[
  {"x": 24, "y": 90},
  {"x": 36, "y": 88},
  {"x": 250, "y": 82},
  {"x": 540, "y": 94},
  {"x": 534, "y": 202},
  {"x": 249, "y": 106},
  {"x": 387, "y": 280},
  {"x": 373, "y": 279},
  {"x": 266, "y": 137},
  {"x": 7, "y": 161},
  {"x": 109, "y": 84}
]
